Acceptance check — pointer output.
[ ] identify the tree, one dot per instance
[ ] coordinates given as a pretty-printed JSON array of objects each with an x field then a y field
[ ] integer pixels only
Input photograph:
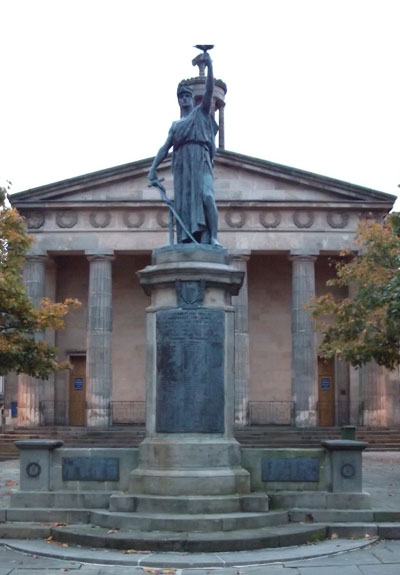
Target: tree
[
  {"x": 365, "y": 325},
  {"x": 22, "y": 348}
]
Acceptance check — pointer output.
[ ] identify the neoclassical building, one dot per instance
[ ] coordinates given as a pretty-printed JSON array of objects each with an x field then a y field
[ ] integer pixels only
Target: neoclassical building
[{"x": 282, "y": 227}]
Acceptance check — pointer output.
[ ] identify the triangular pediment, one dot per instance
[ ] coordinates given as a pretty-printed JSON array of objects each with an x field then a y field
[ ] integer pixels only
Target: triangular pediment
[{"x": 238, "y": 178}]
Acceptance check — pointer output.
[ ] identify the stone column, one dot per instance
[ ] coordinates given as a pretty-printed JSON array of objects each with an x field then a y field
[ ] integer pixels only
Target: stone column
[
  {"x": 304, "y": 357},
  {"x": 221, "y": 131},
  {"x": 34, "y": 277},
  {"x": 99, "y": 341},
  {"x": 242, "y": 360}
]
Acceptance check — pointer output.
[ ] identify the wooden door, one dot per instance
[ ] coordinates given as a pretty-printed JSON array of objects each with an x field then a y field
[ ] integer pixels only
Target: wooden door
[
  {"x": 77, "y": 390},
  {"x": 326, "y": 393}
]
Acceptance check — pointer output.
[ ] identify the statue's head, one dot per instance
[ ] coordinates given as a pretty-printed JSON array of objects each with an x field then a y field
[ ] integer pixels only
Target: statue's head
[{"x": 185, "y": 96}]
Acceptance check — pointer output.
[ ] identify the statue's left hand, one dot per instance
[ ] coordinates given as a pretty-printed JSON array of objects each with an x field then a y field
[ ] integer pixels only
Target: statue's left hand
[{"x": 206, "y": 59}]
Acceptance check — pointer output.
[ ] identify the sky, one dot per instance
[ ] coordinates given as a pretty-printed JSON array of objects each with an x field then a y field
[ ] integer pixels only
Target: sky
[{"x": 91, "y": 84}]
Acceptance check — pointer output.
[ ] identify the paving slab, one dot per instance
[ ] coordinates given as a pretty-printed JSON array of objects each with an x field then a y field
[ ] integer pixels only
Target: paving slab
[
  {"x": 349, "y": 570},
  {"x": 387, "y": 551},
  {"x": 381, "y": 570}
]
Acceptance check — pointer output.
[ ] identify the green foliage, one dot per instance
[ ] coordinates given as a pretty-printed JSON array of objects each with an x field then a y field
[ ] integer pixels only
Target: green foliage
[
  {"x": 22, "y": 348},
  {"x": 366, "y": 325}
]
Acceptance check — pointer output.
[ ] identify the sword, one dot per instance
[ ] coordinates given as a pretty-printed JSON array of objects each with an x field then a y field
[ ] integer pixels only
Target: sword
[{"x": 163, "y": 192}]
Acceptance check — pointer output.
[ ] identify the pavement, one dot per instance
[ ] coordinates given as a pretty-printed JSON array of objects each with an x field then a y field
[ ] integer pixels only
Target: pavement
[{"x": 368, "y": 556}]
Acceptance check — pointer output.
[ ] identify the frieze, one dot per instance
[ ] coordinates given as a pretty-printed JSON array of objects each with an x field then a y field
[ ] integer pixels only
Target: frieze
[
  {"x": 270, "y": 219},
  {"x": 235, "y": 219},
  {"x": 303, "y": 219},
  {"x": 66, "y": 219},
  {"x": 34, "y": 220},
  {"x": 99, "y": 219},
  {"x": 133, "y": 219},
  {"x": 162, "y": 218},
  {"x": 337, "y": 219}
]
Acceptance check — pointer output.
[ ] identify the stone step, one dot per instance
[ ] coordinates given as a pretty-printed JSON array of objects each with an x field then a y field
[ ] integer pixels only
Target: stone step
[
  {"x": 189, "y": 504},
  {"x": 331, "y": 515},
  {"x": 187, "y": 522},
  {"x": 60, "y": 499},
  {"x": 47, "y": 515},
  {"x": 248, "y": 539},
  {"x": 24, "y": 530}
]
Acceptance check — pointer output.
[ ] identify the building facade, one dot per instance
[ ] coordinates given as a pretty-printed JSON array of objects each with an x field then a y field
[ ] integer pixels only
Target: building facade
[{"x": 282, "y": 226}]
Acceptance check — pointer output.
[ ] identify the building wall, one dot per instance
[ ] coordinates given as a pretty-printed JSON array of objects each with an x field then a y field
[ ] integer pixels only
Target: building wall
[{"x": 269, "y": 280}]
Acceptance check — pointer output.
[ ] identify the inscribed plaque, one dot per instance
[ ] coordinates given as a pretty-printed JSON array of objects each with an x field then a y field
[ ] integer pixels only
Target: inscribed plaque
[
  {"x": 90, "y": 469},
  {"x": 290, "y": 469},
  {"x": 190, "y": 371}
]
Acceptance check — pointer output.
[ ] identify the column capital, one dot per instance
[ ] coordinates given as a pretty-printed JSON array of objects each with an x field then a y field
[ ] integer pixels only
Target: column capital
[
  {"x": 41, "y": 258},
  {"x": 303, "y": 256},
  {"x": 95, "y": 256},
  {"x": 240, "y": 255}
]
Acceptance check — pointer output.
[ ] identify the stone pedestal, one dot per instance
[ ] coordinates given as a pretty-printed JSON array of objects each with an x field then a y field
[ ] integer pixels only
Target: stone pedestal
[
  {"x": 190, "y": 448},
  {"x": 35, "y": 463},
  {"x": 346, "y": 464}
]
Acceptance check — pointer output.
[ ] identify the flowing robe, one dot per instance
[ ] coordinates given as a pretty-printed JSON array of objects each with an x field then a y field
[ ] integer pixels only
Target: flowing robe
[{"x": 193, "y": 139}]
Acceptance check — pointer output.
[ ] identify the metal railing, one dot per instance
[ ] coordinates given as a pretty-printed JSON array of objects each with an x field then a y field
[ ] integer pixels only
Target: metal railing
[
  {"x": 74, "y": 413},
  {"x": 271, "y": 412},
  {"x": 128, "y": 412}
]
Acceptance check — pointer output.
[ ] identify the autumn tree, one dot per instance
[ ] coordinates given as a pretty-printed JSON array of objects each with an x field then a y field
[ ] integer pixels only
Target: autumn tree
[
  {"x": 365, "y": 325},
  {"x": 22, "y": 347}
]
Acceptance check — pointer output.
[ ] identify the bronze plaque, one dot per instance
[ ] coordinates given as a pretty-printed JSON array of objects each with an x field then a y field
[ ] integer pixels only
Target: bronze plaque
[{"x": 190, "y": 371}]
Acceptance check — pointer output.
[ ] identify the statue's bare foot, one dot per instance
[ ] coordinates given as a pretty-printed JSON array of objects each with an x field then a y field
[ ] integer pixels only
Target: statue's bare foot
[{"x": 215, "y": 243}]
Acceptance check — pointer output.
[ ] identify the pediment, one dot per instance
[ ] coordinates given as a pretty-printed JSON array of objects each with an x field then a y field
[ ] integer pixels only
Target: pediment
[{"x": 238, "y": 178}]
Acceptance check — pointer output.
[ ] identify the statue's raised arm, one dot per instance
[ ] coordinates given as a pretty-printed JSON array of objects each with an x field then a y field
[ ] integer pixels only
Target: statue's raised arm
[{"x": 208, "y": 94}]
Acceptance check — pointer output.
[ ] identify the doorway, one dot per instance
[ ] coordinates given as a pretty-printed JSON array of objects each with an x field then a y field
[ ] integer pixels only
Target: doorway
[
  {"x": 77, "y": 390},
  {"x": 326, "y": 393}
]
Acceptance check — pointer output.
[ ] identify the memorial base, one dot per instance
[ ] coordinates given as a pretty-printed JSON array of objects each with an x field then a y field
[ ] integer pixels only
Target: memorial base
[{"x": 190, "y": 449}]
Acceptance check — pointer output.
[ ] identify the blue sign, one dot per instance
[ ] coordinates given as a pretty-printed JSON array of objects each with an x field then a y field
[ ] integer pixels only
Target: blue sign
[
  {"x": 78, "y": 384},
  {"x": 325, "y": 383}
]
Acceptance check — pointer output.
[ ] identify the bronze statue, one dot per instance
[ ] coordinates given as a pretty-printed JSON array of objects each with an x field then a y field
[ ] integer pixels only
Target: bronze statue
[{"x": 193, "y": 140}]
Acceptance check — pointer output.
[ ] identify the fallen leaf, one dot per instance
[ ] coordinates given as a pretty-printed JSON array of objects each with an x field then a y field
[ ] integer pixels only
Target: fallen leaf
[
  {"x": 10, "y": 482},
  {"x": 334, "y": 536},
  {"x": 130, "y": 551},
  {"x": 50, "y": 538}
]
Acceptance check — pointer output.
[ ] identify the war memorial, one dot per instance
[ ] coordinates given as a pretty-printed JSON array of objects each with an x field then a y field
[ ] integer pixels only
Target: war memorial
[{"x": 189, "y": 486}]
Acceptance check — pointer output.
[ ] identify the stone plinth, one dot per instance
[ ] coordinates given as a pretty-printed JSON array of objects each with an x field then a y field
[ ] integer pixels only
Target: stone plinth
[
  {"x": 35, "y": 463},
  {"x": 346, "y": 464},
  {"x": 190, "y": 448}
]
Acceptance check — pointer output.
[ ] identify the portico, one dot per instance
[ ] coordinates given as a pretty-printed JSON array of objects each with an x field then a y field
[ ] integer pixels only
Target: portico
[{"x": 281, "y": 226}]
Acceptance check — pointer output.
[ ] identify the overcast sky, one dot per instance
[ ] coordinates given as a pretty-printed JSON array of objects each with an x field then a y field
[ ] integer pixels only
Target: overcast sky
[{"x": 91, "y": 84}]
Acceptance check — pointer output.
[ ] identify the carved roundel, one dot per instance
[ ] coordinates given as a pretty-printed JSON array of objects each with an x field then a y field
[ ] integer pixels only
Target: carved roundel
[
  {"x": 347, "y": 470},
  {"x": 270, "y": 219},
  {"x": 303, "y": 219},
  {"x": 162, "y": 218},
  {"x": 66, "y": 219},
  {"x": 133, "y": 219},
  {"x": 34, "y": 219},
  {"x": 33, "y": 469},
  {"x": 99, "y": 219},
  {"x": 337, "y": 219},
  {"x": 235, "y": 219}
]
